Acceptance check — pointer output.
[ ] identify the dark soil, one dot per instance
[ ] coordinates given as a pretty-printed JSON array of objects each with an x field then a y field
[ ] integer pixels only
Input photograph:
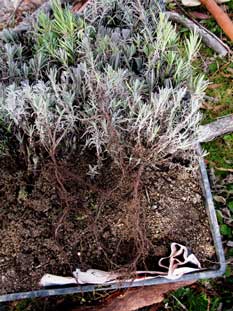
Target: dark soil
[{"x": 101, "y": 226}]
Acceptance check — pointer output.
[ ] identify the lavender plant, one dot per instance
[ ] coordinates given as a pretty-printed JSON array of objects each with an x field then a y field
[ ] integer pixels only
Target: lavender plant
[
  {"x": 118, "y": 72},
  {"x": 144, "y": 97},
  {"x": 118, "y": 77}
]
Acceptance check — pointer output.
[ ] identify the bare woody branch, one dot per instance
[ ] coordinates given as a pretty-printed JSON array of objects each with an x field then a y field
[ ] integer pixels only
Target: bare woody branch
[{"x": 217, "y": 128}]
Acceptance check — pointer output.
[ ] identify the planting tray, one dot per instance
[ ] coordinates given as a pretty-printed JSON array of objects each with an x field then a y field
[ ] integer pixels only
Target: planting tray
[{"x": 204, "y": 274}]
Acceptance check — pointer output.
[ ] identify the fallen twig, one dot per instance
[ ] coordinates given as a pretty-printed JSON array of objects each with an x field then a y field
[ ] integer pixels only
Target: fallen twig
[
  {"x": 222, "y": 169},
  {"x": 222, "y": 18},
  {"x": 179, "y": 302},
  {"x": 214, "y": 129},
  {"x": 230, "y": 170},
  {"x": 207, "y": 37}
]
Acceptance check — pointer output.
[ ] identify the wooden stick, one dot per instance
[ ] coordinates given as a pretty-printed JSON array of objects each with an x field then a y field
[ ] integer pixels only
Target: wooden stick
[
  {"x": 220, "y": 16},
  {"x": 223, "y": 169},
  {"x": 214, "y": 129},
  {"x": 207, "y": 37}
]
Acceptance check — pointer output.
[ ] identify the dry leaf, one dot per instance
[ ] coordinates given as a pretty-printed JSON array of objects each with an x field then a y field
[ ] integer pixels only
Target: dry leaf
[
  {"x": 213, "y": 108},
  {"x": 226, "y": 75},
  {"x": 200, "y": 15},
  {"x": 219, "y": 199},
  {"x": 229, "y": 69},
  {"x": 214, "y": 86}
]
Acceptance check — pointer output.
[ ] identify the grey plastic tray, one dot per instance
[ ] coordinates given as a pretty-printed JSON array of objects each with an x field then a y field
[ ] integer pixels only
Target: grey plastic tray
[{"x": 206, "y": 274}]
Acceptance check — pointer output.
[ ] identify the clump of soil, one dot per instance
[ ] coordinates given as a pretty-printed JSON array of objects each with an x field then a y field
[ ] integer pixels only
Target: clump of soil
[{"x": 98, "y": 230}]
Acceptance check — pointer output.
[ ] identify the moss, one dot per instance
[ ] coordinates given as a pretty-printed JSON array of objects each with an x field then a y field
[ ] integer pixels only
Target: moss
[
  {"x": 220, "y": 74},
  {"x": 220, "y": 152},
  {"x": 220, "y": 90}
]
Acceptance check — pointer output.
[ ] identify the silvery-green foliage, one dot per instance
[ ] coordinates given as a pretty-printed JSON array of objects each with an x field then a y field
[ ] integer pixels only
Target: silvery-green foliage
[
  {"x": 122, "y": 122},
  {"x": 144, "y": 97},
  {"x": 43, "y": 112},
  {"x": 132, "y": 89},
  {"x": 17, "y": 60},
  {"x": 16, "y": 67}
]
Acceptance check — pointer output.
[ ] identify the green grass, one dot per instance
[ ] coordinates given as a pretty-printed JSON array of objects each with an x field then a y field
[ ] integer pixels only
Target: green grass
[{"x": 220, "y": 152}]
